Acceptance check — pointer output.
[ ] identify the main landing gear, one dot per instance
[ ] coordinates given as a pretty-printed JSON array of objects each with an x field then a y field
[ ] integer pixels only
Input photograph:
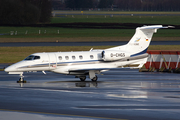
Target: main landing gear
[
  {"x": 21, "y": 79},
  {"x": 92, "y": 76},
  {"x": 83, "y": 78},
  {"x": 94, "y": 79}
]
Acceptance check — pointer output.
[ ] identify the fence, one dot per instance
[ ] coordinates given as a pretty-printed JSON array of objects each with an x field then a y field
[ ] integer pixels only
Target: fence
[{"x": 162, "y": 61}]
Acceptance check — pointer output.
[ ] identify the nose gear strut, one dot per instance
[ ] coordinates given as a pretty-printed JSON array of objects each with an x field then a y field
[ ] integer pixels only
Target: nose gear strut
[{"x": 21, "y": 79}]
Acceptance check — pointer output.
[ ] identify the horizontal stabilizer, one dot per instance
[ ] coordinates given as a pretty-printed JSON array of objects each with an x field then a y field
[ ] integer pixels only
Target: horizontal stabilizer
[{"x": 153, "y": 27}]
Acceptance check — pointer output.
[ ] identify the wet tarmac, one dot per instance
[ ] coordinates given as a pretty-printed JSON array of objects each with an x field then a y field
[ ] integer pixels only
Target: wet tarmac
[
  {"x": 118, "y": 94},
  {"x": 107, "y": 43}
]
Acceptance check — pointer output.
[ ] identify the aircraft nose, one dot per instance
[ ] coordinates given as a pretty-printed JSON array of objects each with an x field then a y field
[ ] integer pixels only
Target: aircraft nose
[{"x": 10, "y": 69}]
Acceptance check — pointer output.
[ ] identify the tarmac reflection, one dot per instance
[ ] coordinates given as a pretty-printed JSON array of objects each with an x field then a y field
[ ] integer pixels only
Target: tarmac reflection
[{"x": 118, "y": 94}]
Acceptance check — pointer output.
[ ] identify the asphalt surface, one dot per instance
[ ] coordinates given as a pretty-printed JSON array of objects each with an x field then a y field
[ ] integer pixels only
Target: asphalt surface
[
  {"x": 82, "y": 43},
  {"x": 118, "y": 94}
]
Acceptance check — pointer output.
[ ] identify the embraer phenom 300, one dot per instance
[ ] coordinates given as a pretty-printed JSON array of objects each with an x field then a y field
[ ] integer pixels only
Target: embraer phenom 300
[{"x": 90, "y": 63}]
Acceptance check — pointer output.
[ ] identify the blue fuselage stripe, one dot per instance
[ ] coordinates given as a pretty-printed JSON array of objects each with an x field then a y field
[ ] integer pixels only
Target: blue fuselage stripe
[{"x": 140, "y": 53}]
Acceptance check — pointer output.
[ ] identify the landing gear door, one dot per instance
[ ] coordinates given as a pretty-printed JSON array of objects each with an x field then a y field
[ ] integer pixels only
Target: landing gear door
[{"x": 52, "y": 61}]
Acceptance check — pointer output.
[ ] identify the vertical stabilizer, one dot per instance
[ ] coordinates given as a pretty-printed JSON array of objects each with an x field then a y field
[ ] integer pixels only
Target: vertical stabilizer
[{"x": 139, "y": 43}]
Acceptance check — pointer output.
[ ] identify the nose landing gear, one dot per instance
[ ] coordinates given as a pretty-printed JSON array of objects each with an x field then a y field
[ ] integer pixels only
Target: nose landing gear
[{"x": 21, "y": 79}]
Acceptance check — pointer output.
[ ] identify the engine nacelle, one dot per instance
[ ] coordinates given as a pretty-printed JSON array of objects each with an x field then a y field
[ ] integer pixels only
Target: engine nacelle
[{"x": 113, "y": 55}]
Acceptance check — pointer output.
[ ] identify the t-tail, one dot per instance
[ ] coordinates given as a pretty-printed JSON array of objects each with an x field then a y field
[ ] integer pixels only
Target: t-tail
[
  {"x": 135, "y": 50},
  {"x": 139, "y": 43}
]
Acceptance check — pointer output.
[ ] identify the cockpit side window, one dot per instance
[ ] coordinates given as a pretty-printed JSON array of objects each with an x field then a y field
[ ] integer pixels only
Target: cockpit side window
[
  {"x": 32, "y": 57},
  {"x": 36, "y": 57}
]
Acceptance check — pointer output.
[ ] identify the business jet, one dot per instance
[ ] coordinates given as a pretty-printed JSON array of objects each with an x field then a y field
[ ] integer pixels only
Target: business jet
[{"x": 93, "y": 62}]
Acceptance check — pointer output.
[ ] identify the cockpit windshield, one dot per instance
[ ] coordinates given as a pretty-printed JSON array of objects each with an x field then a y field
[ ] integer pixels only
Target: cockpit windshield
[{"x": 32, "y": 57}]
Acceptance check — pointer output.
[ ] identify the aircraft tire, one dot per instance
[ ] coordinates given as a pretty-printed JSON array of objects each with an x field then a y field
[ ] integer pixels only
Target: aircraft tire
[
  {"x": 94, "y": 79},
  {"x": 21, "y": 80},
  {"x": 24, "y": 81},
  {"x": 83, "y": 78}
]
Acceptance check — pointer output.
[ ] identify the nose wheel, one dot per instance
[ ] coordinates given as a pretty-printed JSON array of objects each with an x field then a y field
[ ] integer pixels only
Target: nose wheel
[{"x": 21, "y": 79}]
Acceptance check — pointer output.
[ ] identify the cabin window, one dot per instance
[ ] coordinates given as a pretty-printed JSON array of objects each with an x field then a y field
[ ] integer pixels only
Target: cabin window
[
  {"x": 66, "y": 57},
  {"x": 60, "y": 57},
  {"x": 91, "y": 56},
  {"x": 73, "y": 57},
  {"x": 80, "y": 57}
]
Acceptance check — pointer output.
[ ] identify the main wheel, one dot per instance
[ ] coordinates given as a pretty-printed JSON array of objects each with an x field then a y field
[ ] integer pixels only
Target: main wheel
[
  {"x": 83, "y": 78},
  {"x": 94, "y": 79}
]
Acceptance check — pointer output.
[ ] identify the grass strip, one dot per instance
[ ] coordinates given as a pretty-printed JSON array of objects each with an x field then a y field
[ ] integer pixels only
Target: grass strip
[
  {"x": 171, "y": 20},
  {"x": 15, "y": 54},
  {"x": 76, "y": 35},
  {"x": 81, "y": 39},
  {"x": 113, "y": 12}
]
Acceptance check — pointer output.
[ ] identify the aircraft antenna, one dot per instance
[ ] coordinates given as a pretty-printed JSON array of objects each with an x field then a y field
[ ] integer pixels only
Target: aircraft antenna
[{"x": 91, "y": 49}]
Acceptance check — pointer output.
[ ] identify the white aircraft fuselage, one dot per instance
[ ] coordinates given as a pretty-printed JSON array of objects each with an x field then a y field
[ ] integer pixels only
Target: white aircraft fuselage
[{"x": 83, "y": 63}]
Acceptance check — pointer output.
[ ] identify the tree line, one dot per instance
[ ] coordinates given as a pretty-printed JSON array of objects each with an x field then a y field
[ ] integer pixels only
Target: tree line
[
  {"x": 39, "y": 11},
  {"x": 125, "y": 5},
  {"x": 25, "y": 11},
  {"x": 148, "y": 5}
]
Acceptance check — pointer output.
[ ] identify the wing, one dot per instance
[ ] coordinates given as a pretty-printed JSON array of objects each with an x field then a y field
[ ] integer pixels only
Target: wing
[
  {"x": 87, "y": 69},
  {"x": 103, "y": 69}
]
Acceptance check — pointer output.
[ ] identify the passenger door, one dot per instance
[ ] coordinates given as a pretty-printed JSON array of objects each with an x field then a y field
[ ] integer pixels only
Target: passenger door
[{"x": 52, "y": 61}]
